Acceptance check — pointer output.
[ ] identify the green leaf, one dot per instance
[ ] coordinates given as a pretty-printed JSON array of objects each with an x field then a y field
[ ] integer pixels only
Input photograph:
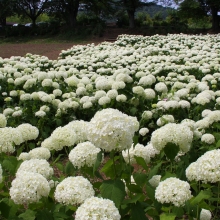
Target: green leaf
[
  {"x": 218, "y": 144},
  {"x": 137, "y": 212},
  {"x": 70, "y": 169},
  {"x": 44, "y": 215},
  {"x": 201, "y": 196},
  {"x": 28, "y": 215},
  {"x": 141, "y": 161},
  {"x": 140, "y": 178},
  {"x": 171, "y": 150},
  {"x": 97, "y": 162},
  {"x": 178, "y": 211},
  {"x": 108, "y": 169},
  {"x": 113, "y": 190},
  {"x": 150, "y": 192},
  {"x": 168, "y": 175},
  {"x": 167, "y": 216},
  {"x": 154, "y": 171},
  {"x": 135, "y": 198},
  {"x": 11, "y": 164}
]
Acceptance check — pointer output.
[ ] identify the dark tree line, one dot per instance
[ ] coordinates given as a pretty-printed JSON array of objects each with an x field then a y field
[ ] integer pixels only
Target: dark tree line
[{"x": 67, "y": 10}]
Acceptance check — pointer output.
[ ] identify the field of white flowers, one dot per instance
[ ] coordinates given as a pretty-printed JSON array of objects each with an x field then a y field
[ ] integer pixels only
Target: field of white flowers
[{"x": 123, "y": 130}]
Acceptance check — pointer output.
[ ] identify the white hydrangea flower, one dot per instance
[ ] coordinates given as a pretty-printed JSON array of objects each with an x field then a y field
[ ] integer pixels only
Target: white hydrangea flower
[
  {"x": 138, "y": 150},
  {"x": 205, "y": 214},
  {"x": 39, "y": 153},
  {"x": 24, "y": 156},
  {"x": 152, "y": 151},
  {"x": 97, "y": 208},
  {"x": 73, "y": 190},
  {"x": 149, "y": 94},
  {"x": 28, "y": 131},
  {"x": 173, "y": 190},
  {"x": 104, "y": 100},
  {"x": 112, "y": 94},
  {"x": 178, "y": 134},
  {"x": 8, "y": 111},
  {"x": 206, "y": 168},
  {"x": 8, "y": 138},
  {"x": 155, "y": 180},
  {"x": 208, "y": 138},
  {"x": 40, "y": 166},
  {"x": 29, "y": 188},
  {"x": 40, "y": 114},
  {"x": 121, "y": 98},
  {"x": 111, "y": 129},
  {"x": 161, "y": 87},
  {"x": 143, "y": 131},
  {"x": 3, "y": 121},
  {"x": 165, "y": 119},
  {"x": 147, "y": 115},
  {"x": 63, "y": 136},
  {"x": 84, "y": 154}
]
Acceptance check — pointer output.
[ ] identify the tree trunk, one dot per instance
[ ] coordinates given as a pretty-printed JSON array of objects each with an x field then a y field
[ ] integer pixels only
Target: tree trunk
[
  {"x": 72, "y": 9},
  {"x": 3, "y": 21},
  {"x": 215, "y": 19},
  {"x": 131, "y": 18}
]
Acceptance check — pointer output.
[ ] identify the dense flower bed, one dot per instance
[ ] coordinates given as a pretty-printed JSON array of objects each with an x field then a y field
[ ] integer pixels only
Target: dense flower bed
[{"x": 123, "y": 130}]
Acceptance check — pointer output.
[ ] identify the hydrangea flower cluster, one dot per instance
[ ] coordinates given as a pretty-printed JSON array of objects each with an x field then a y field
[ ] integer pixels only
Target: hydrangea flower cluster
[
  {"x": 73, "y": 190},
  {"x": 8, "y": 138},
  {"x": 36, "y": 153},
  {"x": 97, "y": 208},
  {"x": 178, "y": 134},
  {"x": 36, "y": 166},
  {"x": 206, "y": 168},
  {"x": 111, "y": 129},
  {"x": 3, "y": 121},
  {"x": 155, "y": 180},
  {"x": 28, "y": 131},
  {"x": 28, "y": 188},
  {"x": 138, "y": 150},
  {"x": 205, "y": 214},
  {"x": 173, "y": 190},
  {"x": 84, "y": 154}
]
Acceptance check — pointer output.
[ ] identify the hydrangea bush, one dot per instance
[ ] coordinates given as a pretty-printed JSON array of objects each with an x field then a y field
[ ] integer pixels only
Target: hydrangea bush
[{"x": 123, "y": 130}]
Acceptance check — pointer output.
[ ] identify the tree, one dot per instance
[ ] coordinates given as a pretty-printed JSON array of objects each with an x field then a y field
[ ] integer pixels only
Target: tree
[
  {"x": 211, "y": 7},
  {"x": 32, "y": 8},
  {"x": 6, "y": 10},
  {"x": 131, "y": 6}
]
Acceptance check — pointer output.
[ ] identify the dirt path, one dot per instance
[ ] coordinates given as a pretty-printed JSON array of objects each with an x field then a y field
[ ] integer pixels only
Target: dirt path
[{"x": 51, "y": 50}]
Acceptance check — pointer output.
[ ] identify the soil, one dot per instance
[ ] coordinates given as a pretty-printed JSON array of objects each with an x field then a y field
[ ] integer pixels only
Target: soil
[{"x": 52, "y": 50}]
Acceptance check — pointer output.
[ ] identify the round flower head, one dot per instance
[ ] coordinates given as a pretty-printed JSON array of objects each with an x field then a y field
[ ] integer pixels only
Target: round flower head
[
  {"x": 205, "y": 214},
  {"x": 178, "y": 134},
  {"x": 139, "y": 151},
  {"x": 39, "y": 153},
  {"x": 73, "y": 190},
  {"x": 206, "y": 168},
  {"x": 8, "y": 138},
  {"x": 36, "y": 166},
  {"x": 63, "y": 136},
  {"x": 3, "y": 121},
  {"x": 155, "y": 180},
  {"x": 111, "y": 129},
  {"x": 29, "y": 188},
  {"x": 28, "y": 131},
  {"x": 143, "y": 131},
  {"x": 84, "y": 154},
  {"x": 24, "y": 156},
  {"x": 97, "y": 208},
  {"x": 208, "y": 138},
  {"x": 165, "y": 119},
  {"x": 173, "y": 190}
]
